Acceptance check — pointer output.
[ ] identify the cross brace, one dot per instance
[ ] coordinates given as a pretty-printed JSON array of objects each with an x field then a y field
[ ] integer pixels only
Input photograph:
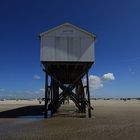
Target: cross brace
[{"x": 54, "y": 99}]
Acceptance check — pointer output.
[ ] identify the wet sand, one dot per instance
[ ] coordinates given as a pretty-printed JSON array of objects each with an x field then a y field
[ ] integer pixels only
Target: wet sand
[{"x": 111, "y": 120}]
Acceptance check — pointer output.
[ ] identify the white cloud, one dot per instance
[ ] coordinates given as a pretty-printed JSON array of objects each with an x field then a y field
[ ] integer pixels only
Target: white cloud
[
  {"x": 95, "y": 82},
  {"x": 108, "y": 76},
  {"x": 36, "y": 77},
  {"x": 42, "y": 89}
]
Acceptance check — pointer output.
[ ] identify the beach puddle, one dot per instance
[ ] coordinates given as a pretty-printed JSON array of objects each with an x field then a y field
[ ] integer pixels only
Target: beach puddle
[
  {"x": 32, "y": 117},
  {"x": 28, "y": 119}
]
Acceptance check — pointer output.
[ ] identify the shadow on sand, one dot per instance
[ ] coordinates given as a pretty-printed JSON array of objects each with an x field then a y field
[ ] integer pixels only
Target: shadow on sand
[{"x": 23, "y": 111}]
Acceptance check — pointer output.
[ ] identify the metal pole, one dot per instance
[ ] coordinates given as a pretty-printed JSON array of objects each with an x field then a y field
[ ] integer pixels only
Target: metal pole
[
  {"x": 88, "y": 95},
  {"x": 46, "y": 95}
]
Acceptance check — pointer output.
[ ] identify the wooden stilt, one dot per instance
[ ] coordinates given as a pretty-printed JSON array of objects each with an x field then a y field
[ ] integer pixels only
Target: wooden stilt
[
  {"x": 51, "y": 89},
  {"x": 56, "y": 98},
  {"x": 46, "y": 95},
  {"x": 55, "y": 88},
  {"x": 88, "y": 96},
  {"x": 80, "y": 93},
  {"x": 82, "y": 97}
]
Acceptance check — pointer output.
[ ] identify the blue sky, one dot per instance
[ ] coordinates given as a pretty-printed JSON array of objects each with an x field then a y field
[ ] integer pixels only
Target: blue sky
[{"x": 115, "y": 22}]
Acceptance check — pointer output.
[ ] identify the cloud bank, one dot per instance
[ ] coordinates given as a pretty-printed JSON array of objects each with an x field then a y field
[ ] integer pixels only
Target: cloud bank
[{"x": 96, "y": 82}]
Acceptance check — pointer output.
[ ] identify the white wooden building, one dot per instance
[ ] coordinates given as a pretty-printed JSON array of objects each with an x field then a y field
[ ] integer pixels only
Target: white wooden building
[
  {"x": 67, "y": 43},
  {"x": 67, "y": 54}
]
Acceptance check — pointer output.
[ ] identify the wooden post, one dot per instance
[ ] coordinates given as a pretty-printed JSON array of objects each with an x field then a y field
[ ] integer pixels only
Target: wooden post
[
  {"x": 88, "y": 95},
  {"x": 46, "y": 95},
  {"x": 82, "y": 97},
  {"x": 51, "y": 96},
  {"x": 80, "y": 93}
]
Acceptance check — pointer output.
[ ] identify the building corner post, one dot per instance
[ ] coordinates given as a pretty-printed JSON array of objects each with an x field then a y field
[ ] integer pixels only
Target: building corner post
[
  {"x": 88, "y": 96},
  {"x": 46, "y": 95}
]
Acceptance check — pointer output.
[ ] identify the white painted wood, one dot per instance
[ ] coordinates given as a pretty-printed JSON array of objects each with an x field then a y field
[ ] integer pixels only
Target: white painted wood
[{"x": 67, "y": 43}]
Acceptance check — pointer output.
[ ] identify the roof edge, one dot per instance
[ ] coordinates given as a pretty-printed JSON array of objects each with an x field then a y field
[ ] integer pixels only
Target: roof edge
[{"x": 67, "y": 24}]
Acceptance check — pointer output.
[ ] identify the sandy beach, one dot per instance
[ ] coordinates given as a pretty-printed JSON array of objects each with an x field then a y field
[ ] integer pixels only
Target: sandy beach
[{"x": 111, "y": 120}]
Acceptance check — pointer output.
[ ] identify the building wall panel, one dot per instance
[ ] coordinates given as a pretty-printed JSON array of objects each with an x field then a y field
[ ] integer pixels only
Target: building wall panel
[{"x": 67, "y": 44}]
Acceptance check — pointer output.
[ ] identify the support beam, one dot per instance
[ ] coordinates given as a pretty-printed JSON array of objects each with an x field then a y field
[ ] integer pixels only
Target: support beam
[
  {"x": 88, "y": 96},
  {"x": 55, "y": 88},
  {"x": 51, "y": 89},
  {"x": 65, "y": 93},
  {"x": 57, "y": 98},
  {"x": 46, "y": 95},
  {"x": 82, "y": 97}
]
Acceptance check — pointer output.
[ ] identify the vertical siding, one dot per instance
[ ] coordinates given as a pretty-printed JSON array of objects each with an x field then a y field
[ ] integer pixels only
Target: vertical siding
[
  {"x": 87, "y": 46},
  {"x": 73, "y": 48},
  {"x": 48, "y": 49},
  {"x": 62, "y": 46}
]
